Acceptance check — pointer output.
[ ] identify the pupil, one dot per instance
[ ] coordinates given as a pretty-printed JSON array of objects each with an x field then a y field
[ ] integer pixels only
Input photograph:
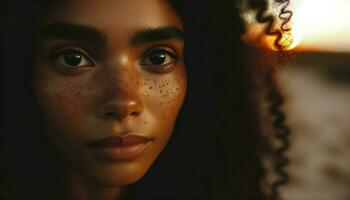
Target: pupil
[
  {"x": 157, "y": 58},
  {"x": 72, "y": 58}
]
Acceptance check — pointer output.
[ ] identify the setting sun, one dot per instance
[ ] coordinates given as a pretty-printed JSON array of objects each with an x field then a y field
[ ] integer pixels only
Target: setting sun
[
  {"x": 288, "y": 42},
  {"x": 316, "y": 25},
  {"x": 297, "y": 37},
  {"x": 321, "y": 24}
]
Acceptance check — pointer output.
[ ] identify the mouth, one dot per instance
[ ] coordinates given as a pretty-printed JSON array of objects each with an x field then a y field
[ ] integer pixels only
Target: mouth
[{"x": 118, "y": 148}]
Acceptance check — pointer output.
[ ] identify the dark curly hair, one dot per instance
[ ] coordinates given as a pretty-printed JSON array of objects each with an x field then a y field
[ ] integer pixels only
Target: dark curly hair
[
  {"x": 274, "y": 95},
  {"x": 222, "y": 107}
]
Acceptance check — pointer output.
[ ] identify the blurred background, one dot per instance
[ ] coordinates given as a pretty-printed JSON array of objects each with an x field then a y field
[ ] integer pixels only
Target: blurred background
[{"x": 316, "y": 83}]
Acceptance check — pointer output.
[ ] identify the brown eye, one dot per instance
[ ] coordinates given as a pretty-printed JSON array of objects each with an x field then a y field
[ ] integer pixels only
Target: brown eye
[
  {"x": 73, "y": 59},
  {"x": 159, "y": 60},
  {"x": 158, "y": 57}
]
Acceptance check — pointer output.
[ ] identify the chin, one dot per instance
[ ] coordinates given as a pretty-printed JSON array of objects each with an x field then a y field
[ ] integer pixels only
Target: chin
[{"x": 118, "y": 174}]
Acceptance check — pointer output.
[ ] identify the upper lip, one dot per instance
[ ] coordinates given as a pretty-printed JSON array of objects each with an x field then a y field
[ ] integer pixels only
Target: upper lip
[{"x": 119, "y": 141}]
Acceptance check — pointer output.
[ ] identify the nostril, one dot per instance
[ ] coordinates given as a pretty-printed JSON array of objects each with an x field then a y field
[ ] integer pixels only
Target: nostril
[
  {"x": 134, "y": 114},
  {"x": 113, "y": 114},
  {"x": 120, "y": 109},
  {"x": 109, "y": 114}
]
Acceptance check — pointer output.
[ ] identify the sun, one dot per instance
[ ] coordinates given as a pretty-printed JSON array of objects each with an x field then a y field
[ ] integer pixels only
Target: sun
[
  {"x": 289, "y": 40},
  {"x": 316, "y": 25},
  {"x": 322, "y": 24}
]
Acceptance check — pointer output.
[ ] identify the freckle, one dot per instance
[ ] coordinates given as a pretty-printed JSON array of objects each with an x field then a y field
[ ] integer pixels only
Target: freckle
[
  {"x": 160, "y": 91},
  {"x": 145, "y": 122},
  {"x": 150, "y": 87}
]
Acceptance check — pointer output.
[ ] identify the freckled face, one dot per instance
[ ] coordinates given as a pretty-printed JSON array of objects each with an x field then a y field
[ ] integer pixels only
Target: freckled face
[{"x": 109, "y": 68}]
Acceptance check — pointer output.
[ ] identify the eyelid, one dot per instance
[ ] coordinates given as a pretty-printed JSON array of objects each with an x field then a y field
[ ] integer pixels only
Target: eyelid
[
  {"x": 162, "y": 68},
  {"x": 168, "y": 52},
  {"x": 167, "y": 49},
  {"x": 55, "y": 57},
  {"x": 57, "y": 51}
]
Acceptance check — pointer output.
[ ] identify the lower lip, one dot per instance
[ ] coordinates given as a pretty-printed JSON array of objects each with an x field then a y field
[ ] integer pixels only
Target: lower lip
[{"x": 123, "y": 153}]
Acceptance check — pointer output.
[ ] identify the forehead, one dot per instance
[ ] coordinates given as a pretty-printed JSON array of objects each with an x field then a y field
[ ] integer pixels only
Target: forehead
[{"x": 113, "y": 14}]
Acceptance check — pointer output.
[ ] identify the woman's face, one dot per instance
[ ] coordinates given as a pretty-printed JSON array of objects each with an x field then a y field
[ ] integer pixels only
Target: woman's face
[{"x": 106, "y": 73}]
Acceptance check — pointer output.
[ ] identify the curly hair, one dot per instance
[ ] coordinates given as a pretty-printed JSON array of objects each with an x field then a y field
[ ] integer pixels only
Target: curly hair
[
  {"x": 284, "y": 15},
  {"x": 274, "y": 95},
  {"x": 239, "y": 145}
]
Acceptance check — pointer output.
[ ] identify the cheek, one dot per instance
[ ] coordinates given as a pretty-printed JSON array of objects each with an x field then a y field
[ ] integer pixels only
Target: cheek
[
  {"x": 60, "y": 100},
  {"x": 164, "y": 96}
]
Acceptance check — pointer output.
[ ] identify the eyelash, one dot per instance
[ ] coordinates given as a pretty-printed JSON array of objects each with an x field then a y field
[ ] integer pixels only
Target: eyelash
[
  {"x": 161, "y": 68},
  {"x": 78, "y": 51},
  {"x": 55, "y": 57}
]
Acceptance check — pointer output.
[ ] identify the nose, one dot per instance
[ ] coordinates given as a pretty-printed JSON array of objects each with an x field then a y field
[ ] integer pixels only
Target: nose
[
  {"x": 121, "y": 108},
  {"x": 120, "y": 96}
]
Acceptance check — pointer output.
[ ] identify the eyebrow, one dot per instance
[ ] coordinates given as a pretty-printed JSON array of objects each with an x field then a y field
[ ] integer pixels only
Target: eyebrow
[
  {"x": 73, "y": 31},
  {"x": 156, "y": 34}
]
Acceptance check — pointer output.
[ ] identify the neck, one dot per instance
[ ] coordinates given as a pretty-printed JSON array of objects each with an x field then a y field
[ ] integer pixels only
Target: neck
[{"x": 75, "y": 186}]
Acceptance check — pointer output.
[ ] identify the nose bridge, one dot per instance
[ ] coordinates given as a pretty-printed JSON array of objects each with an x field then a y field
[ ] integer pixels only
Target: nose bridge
[
  {"x": 120, "y": 81},
  {"x": 120, "y": 93}
]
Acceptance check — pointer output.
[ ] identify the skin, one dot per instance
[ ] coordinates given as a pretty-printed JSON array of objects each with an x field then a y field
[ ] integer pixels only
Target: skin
[{"x": 115, "y": 88}]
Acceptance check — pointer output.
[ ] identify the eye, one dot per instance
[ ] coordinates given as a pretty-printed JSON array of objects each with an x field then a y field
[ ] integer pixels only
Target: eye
[
  {"x": 72, "y": 58},
  {"x": 160, "y": 60}
]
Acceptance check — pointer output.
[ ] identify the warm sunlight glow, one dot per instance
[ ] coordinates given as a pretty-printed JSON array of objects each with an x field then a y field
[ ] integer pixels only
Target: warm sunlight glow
[
  {"x": 317, "y": 25},
  {"x": 291, "y": 40},
  {"x": 322, "y": 24},
  {"x": 288, "y": 42},
  {"x": 297, "y": 37}
]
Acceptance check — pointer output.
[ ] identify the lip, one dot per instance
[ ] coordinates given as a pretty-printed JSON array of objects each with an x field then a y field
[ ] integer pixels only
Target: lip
[{"x": 117, "y": 148}]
